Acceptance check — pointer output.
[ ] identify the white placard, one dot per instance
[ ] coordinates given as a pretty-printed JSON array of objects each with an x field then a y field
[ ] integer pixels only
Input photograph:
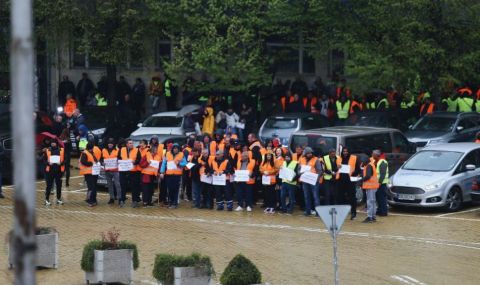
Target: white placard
[
  {"x": 266, "y": 180},
  {"x": 309, "y": 178},
  {"x": 125, "y": 165},
  {"x": 220, "y": 180},
  {"x": 355, "y": 179},
  {"x": 96, "y": 168},
  {"x": 154, "y": 164},
  {"x": 54, "y": 159},
  {"x": 287, "y": 174},
  {"x": 305, "y": 168},
  {"x": 206, "y": 179},
  {"x": 240, "y": 125},
  {"x": 345, "y": 169},
  {"x": 190, "y": 165},
  {"x": 171, "y": 165},
  {"x": 242, "y": 175},
  {"x": 110, "y": 163}
]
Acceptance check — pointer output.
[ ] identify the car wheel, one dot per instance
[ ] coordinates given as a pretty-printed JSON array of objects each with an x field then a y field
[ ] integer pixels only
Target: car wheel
[{"x": 454, "y": 200}]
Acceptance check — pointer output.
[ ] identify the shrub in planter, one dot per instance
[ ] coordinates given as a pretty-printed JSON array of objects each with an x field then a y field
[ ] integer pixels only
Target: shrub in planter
[
  {"x": 109, "y": 260},
  {"x": 46, "y": 255},
  {"x": 163, "y": 269},
  {"x": 241, "y": 271}
]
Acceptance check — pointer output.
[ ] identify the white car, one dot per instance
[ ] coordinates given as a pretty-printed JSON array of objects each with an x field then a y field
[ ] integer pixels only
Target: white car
[{"x": 437, "y": 176}]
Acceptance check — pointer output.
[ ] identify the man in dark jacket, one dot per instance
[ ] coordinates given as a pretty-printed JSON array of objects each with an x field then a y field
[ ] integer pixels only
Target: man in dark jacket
[
  {"x": 296, "y": 106},
  {"x": 85, "y": 89},
  {"x": 123, "y": 89},
  {"x": 65, "y": 87},
  {"x": 138, "y": 96},
  {"x": 54, "y": 161}
]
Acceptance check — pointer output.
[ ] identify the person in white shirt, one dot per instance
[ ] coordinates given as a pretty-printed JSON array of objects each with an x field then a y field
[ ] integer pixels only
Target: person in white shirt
[{"x": 232, "y": 120}]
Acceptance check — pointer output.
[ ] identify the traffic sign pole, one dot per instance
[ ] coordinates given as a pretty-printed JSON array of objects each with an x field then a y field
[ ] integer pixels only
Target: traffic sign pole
[{"x": 333, "y": 213}]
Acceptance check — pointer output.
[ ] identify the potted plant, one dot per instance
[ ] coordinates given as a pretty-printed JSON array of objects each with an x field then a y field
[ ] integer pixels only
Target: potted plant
[
  {"x": 241, "y": 271},
  {"x": 109, "y": 260},
  {"x": 47, "y": 248},
  {"x": 193, "y": 269}
]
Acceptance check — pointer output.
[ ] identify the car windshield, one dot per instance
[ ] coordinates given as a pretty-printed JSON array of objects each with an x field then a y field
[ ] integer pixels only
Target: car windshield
[
  {"x": 281, "y": 123},
  {"x": 163, "y": 122},
  {"x": 435, "y": 124},
  {"x": 319, "y": 144},
  {"x": 433, "y": 160}
]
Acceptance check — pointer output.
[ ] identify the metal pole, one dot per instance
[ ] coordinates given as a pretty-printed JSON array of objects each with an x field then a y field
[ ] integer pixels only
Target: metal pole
[
  {"x": 22, "y": 72},
  {"x": 333, "y": 213}
]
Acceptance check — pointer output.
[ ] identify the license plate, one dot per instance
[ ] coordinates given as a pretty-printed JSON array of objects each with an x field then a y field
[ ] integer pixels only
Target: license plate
[
  {"x": 406, "y": 197},
  {"x": 102, "y": 181}
]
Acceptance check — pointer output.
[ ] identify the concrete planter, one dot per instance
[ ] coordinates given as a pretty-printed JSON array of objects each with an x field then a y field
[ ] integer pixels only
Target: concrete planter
[
  {"x": 111, "y": 266},
  {"x": 47, "y": 251},
  {"x": 190, "y": 276}
]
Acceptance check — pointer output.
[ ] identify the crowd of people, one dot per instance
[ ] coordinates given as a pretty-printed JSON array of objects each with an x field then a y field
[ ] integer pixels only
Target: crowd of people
[{"x": 221, "y": 172}]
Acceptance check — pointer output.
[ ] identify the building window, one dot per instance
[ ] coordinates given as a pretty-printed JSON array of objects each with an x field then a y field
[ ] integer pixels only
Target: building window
[
  {"x": 163, "y": 52},
  {"x": 289, "y": 58},
  {"x": 336, "y": 62}
]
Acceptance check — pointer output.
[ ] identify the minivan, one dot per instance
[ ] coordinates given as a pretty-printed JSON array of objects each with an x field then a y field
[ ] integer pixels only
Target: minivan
[{"x": 359, "y": 140}]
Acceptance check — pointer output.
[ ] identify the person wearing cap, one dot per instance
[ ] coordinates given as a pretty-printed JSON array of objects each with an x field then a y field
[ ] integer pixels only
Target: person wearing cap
[
  {"x": 312, "y": 164},
  {"x": 289, "y": 187},
  {"x": 370, "y": 185},
  {"x": 244, "y": 189},
  {"x": 54, "y": 171},
  {"x": 172, "y": 170},
  {"x": 346, "y": 191},
  {"x": 223, "y": 194},
  {"x": 130, "y": 179},
  {"x": 331, "y": 166},
  {"x": 87, "y": 161},
  {"x": 428, "y": 106},
  {"x": 269, "y": 171},
  {"x": 152, "y": 159},
  {"x": 383, "y": 179},
  {"x": 110, "y": 155}
]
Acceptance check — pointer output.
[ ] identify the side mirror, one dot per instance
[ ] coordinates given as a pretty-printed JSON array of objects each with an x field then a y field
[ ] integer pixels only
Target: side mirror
[
  {"x": 139, "y": 125},
  {"x": 459, "y": 129},
  {"x": 470, "y": 167}
]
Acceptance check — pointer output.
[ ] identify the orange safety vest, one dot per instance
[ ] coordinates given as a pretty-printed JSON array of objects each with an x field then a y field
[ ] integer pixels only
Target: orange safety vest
[
  {"x": 311, "y": 163},
  {"x": 113, "y": 154},
  {"x": 430, "y": 108},
  {"x": 250, "y": 166},
  {"x": 152, "y": 170},
  {"x": 279, "y": 162},
  {"x": 272, "y": 170},
  {"x": 219, "y": 168},
  {"x": 296, "y": 157},
  {"x": 355, "y": 103},
  {"x": 352, "y": 162},
  {"x": 131, "y": 156},
  {"x": 313, "y": 102},
  {"x": 178, "y": 157},
  {"x": 372, "y": 183},
  {"x": 69, "y": 107},
  {"x": 84, "y": 170},
  {"x": 257, "y": 143},
  {"x": 283, "y": 100},
  {"x": 204, "y": 163},
  {"x": 97, "y": 152},
  {"x": 62, "y": 157}
]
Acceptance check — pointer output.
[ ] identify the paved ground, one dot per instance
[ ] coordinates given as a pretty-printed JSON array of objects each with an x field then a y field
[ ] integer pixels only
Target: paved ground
[{"x": 408, "y": 247}]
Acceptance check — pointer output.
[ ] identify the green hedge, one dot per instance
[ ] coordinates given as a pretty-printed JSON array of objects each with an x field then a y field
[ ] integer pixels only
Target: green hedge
[
  {"x": 241, "y": 271},
  {"x": 164, "y": 264},
  {"x": 88, "y": 255}
]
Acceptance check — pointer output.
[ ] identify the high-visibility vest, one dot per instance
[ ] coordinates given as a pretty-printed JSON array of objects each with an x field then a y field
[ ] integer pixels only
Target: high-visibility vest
[
  {"x": 97, "y": 152},
  {"x": 312, "y": 162},
  {"x": 406, "y": 105},
  {"x": 178, "y": 157},
  {"x": 328, "y": 166},
  {"x": 100, "y": 100},
  {"x": 257, "y": 143},
  {"x": 250, "y": 166},
  {"x": 342, "y": 111},
  {"x": 62, "y": 157},
  {"x": 313, "y": 102},
  {"x": 152, "y": 169},
  {"x": 168, "y": 92},
  {"x": 429, "y": 110},
  {"x": 385, "y": 180},
  {"x": 283, "y": 101},
  {"x": 465, "y": 104},
  {"x": 130, "y": 156},
  {"x": 271, "y": 170},
  {"x": 451, "y": 104},
  {"x": 293, "y": 164},
  {"x": 372, "y": 183},
  {"x": 296, "y": 157},
  {"x": 111, "y": 155},
  {"x": 84, "y": 170},
  {"x": 371, "y": 106},
  {"x": 384, "y": 100},
  {"x": 352, "y": 162},
  {"x": 204, "y": 163},
  {"x": 220, "y": 168},
  {"x": 82, "y": 144},
  {"x": 355, "y": 104}
]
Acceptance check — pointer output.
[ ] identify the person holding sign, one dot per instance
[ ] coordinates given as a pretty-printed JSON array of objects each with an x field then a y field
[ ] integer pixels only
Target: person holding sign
[
  {"x": 87, "y": 162},
  {"x": 244, "y": 188},
  {"x": 331, "y": 165},
  {"x": 206, "y": 188},
  {"x": 350, "y": 168},
  {"x": 128, "y": 160},
  {"x": 221, "y": 170},
  {"x": 54, "y": 158},
  {"x": 289, "y": 183},
  {"x": 269, "y": 173},
  {"x": 110, "y": 162},
  {"x": 195, "y": 161},
  {"x": 311, "y": 170},
  {"x": 152, "y": 160},
  {"x": 172, "y": 170}
]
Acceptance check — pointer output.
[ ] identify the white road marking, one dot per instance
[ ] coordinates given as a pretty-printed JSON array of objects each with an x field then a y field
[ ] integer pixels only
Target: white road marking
[
  {"x": 401, "y": 279},
  {"x": 457, "y": 213},
  {"x": 450, "y": 243},
  {"x": 415, "y": 281}
]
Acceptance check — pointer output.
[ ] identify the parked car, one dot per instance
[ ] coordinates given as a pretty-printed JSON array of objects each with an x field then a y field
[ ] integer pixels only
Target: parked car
[
  {"x": 390, "y": 119},
  {"x": 437, "y": 176},
  {"x": 475, "y": 194},
  {"x": 444, "y": 127},
  {"x": 283, "y": 126},
  {"x": 359, "y": 140}
]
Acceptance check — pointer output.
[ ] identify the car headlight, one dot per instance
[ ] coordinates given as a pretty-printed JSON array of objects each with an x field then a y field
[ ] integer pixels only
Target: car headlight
[
  {"x": 434, "y": 186},
  {"x": 98, "y": 131}
]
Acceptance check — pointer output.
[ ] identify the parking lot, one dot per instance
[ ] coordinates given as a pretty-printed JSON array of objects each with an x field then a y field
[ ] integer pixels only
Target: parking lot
[{"x": 407, "y": 247}]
